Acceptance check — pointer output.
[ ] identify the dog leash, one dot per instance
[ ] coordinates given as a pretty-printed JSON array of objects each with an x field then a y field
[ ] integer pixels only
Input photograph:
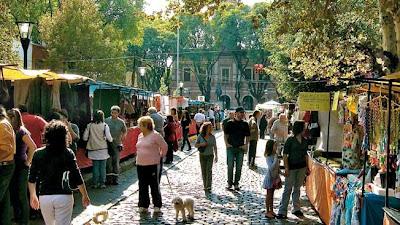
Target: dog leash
[{"x": 168, "y": 181}]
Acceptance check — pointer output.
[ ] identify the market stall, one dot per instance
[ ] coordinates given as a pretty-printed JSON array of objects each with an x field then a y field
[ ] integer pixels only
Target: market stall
[{"x": 362, "y": 181}]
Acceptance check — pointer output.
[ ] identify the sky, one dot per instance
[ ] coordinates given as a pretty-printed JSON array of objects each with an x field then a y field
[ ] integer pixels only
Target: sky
[{"x": 158, "y": 5}]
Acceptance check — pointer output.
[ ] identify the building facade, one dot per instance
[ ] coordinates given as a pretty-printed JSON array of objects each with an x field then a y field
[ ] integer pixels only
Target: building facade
[{"x": 225, "y": 75}]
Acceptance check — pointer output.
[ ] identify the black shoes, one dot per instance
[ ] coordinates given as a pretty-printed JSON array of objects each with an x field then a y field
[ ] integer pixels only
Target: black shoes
[
  {"x": 298, "y": 214},
  {"x": 281, "y": 217}
]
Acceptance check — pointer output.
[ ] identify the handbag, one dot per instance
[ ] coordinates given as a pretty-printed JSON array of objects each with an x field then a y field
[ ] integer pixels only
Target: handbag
[
  {"x": 66, "y": 183},
  {"x": 277, "y": 183}
]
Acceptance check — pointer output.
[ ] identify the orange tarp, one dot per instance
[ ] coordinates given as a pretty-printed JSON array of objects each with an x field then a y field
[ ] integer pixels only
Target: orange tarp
[{"x": 319, "y": 189}]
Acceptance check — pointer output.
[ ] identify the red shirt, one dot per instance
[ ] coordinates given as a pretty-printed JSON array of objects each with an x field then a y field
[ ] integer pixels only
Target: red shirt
[{"x": 35, "y": 125}]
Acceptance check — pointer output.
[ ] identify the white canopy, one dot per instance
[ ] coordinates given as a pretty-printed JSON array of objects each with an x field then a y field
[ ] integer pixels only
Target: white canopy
[{"x": 268, "y": 105}]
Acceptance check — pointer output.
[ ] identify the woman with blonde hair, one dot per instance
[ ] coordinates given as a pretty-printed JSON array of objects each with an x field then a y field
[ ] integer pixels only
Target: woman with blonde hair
[
  {"x": 151, "y": 147},
  {"x": 25, "y": 147},
  {"x": 207, "y": 146}
]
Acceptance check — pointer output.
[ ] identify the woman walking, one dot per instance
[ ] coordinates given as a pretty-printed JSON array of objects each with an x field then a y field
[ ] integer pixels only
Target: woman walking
[
  {"x": 207, "y": 145},
  {"x": 25, "y": 147},
  {"x": 48, "y": 167},
  {"x": 272, "y": 180},
  {"x": 97, "y": 134},
  {"x": 170, "y": 138},
  {"x": 185, "y": 123},
  {"x": 296, "y": 168},
  {"x": 151, "y": 147}
]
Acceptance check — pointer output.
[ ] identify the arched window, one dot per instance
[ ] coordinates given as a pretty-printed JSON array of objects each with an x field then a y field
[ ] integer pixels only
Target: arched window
[
  {"x": 226, "y": 101},
  {"x": 248, "y": 103}
]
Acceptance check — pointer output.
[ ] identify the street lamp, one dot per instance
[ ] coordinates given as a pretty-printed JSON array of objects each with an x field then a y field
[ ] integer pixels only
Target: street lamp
[
  {"x": 166, "y": 80},
  {"x": 142, "y": 72},
  {"x": 25, "y": 31},
  {"x": 180, "y": 88}
]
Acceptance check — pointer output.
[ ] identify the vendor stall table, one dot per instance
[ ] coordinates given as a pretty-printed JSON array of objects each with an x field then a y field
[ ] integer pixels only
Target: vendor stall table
[{"x": 392, "y": 217}]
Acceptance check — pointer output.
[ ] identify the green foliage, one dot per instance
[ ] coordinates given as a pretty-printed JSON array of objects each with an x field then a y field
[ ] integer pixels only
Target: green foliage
[
  {"x": 124, "y": 15},
  {"x": 152, "y": 51},
  {"x": 8, "y": 32},
  {"x": 78, "y": 42},
  {"x": 320, "y": 40}
]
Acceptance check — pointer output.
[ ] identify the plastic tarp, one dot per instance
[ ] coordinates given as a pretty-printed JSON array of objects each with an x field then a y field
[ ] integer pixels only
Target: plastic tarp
[
  {"x": 372, "y": 210},
  {"x": 319, "y": 189},
  {"x": 268, "y": 105}
]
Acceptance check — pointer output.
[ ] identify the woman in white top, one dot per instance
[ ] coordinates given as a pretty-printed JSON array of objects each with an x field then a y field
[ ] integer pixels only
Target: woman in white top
[{"x": 97, "y": 134}]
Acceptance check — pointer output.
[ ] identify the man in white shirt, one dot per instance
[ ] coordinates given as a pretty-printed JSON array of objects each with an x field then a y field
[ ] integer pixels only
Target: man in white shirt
[
  {"x": 200, "y": 118},
  {"x": 280, "y": 131}
]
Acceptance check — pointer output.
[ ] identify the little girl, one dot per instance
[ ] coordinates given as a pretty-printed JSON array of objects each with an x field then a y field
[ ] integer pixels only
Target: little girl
[{"x": 271, "y": 179}]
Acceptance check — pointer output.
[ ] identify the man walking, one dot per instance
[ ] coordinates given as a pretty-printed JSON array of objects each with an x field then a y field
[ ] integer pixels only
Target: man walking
[
  {"x": 230, "y": 117},
  {"x": 253, "y": 126},
  {"x": 236, "y": 133},
  {"x": 34, "y": 124},
  {"x": 280, "y": 131},
  {"x": 118, "y": 132},
  {"x": 158, "y": 120}
]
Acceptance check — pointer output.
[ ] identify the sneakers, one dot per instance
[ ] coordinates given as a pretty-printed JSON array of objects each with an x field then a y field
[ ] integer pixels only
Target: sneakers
[
  {"x": 157, "y": 210},
  {"x": 237, "y": 188},
  {"x": 228, "y": 187},
  {"x": 143, "y": 210}
]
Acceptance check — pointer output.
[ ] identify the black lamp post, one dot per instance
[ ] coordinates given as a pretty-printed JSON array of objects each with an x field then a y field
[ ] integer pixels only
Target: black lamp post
[
  {"x": 25, "y": 31},
  {"x": 142, "y": 72},
  {"x": 169, "y": 64},
  {"x": 180, "y": 88}
]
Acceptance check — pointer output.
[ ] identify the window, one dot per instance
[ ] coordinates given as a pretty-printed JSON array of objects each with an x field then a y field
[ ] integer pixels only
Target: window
[
  {"x": 248, "y": 73},
  {"x": 186, "y": 74},
  {"x": 225, "y": 74}
]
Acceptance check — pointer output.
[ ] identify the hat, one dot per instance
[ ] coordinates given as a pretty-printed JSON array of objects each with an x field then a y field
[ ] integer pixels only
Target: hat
[{"x": 239, "y": 109}]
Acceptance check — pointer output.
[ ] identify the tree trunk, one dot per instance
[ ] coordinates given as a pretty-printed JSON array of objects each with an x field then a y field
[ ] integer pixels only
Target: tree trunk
[
  {"x": 388, "y": 27},
  {"x": 396, "y": 20}
]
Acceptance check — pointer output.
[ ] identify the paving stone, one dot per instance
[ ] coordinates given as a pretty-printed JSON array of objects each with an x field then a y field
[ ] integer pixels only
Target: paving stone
[{"x": 219, "y": 207}]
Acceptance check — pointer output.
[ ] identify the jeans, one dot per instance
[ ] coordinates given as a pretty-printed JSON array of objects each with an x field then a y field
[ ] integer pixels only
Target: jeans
[
  {"x": 19, "y": 193},
  {"x": 113, "y": 163},
  {"x": 56, "y": 209},
  {"x": 6, "y": 173},
  {"x": 185, "y": 139},
  {"x": 252, "y": 153},
  {"x": 292, "y": 186},
  {"x": 99, "y": 172},
  {"x": 234, "y": 158},
  {"x": 149, "y": 176},
  {"x": 206, "y": 163}
]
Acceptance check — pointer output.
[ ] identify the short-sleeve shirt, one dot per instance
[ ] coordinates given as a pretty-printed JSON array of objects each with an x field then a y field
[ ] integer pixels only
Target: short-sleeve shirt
[
  {"x": 35, "y": 125},
  {"x": 7, "y": 141},
  {"x": 20, "y": 146},
  {"x": 74, "y": 144},
  {"x": 117, "y": 128},
  {"x": 297, "y": 152},
  {"x": 237, "y": 131},
  {"x": 211, "y": 143}
]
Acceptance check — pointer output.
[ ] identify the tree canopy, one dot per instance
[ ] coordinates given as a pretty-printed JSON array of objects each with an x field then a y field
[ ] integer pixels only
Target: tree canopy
[{"x": 78, "y": 41}]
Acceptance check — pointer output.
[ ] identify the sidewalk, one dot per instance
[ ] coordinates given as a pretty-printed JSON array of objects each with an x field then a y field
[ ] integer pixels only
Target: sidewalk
[{"x": 220, "y": 207}]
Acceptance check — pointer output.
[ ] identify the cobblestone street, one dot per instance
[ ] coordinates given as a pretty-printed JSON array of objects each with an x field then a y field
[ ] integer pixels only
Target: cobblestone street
[{"x": 219, "y": 207}]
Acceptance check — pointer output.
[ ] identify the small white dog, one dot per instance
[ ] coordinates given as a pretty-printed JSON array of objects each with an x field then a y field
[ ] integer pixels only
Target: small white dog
[{"x": 181, "y": 205}]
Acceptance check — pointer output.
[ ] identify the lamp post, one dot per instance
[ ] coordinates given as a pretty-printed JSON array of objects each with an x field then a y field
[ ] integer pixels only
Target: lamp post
[
  {"x": 169, "y": 65},
  {"x": 142, "y": 72},
  {"x": 180, "y": 88},
  {"x": 25, "y": 31}
]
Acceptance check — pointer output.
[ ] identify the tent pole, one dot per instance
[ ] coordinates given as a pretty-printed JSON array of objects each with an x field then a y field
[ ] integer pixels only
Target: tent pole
[
  {"x": 367, "y": 134},
  {"x": 388, "y": 144},
  {"x": 329, "y": 129}
]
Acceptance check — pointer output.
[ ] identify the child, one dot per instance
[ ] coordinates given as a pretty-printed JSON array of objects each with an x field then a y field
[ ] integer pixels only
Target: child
[{"x": 271, "y": 179}]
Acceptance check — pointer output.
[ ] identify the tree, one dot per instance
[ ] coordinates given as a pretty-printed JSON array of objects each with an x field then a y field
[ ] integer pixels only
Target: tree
[
  {"x": 124, "y": 15},
  {"x": 390, "y": 20},
  {"x": 199, "y": 46},
  {"x": 240, "y": 37},
  {"x": 78, "y": 41},
  {"x": 321, "y": 40},
  {"x": 8, "y": 33},
  {"x": 154, "y": 48}
]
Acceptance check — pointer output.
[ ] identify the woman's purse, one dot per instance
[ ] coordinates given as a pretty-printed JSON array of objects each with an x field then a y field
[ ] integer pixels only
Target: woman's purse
[{"x": 277, "y": 183}]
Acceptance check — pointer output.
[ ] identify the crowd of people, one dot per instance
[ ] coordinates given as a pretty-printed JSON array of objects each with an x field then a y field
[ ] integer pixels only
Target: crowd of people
[{"x": 39, "y": 156}]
